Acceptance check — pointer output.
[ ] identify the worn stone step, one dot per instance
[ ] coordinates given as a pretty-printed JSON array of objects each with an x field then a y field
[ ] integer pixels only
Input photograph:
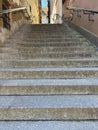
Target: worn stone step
[
  {"x": 34, "y": 31},
  {"x": 51, "y": 30},
  {"x": 25, "y": 56},
  {"x": 55, "y": 33},
  {"x": 48, "y": 73},
  {"x": 29, "y": 87},
  {"x": 47, "y": 44},
  {"x": 50, "y": 39},
  {"x": 43, "y": 44},
  {"x": 50, "y": 35},
  {"x": 87, "y": 62},
  {"x": 62, "y": 108},
  {"x": 47, "y": 49},
  {"x": 71, "y": 35},
  {"x": 47, "y": 125}
]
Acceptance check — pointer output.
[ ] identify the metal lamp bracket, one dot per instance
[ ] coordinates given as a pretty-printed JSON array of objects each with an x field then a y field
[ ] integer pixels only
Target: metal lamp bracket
[{"x": 89, "y": 15}]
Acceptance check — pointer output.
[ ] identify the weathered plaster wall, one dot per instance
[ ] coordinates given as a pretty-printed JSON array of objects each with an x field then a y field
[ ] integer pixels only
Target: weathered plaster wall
[
  {"x": 83, "y": 21},
  {"x": 64, "y": 8},
  {"x": 91, "y": 4}
]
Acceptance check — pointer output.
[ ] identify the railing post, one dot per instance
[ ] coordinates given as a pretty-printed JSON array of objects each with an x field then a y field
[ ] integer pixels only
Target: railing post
[
  {"x": 6, "y": 18},
  {"x": 89, "y": 12}
]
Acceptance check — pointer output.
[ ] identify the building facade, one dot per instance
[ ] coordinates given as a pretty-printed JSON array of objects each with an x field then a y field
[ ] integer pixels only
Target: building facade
[
  {"x": 55, "y": 11},
  {"x": 33, "y": 11},
  {"x": 13, "y": 20},
  {"x": 36, "y": 9}
]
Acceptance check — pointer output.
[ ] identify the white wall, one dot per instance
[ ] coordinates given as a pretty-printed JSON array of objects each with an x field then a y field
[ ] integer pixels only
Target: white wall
[{"x": 56, "y": 8}]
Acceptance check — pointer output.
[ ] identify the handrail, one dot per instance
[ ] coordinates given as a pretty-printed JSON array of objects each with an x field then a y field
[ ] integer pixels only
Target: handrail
[
  {"x": 88, "y": 12},
  {"x": 12, "y": 10},
  {"x": 82, "y": 9},
  {"x": 5, "y": 13}
]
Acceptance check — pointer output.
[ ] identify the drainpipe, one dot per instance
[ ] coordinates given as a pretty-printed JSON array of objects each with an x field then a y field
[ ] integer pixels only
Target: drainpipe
[
  {"x": 40, "y": 12},
  {"x": 48, "y": 1}
]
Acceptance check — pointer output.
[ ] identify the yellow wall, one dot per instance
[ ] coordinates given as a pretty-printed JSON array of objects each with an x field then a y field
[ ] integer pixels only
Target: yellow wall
[
  {"x": 36, "y": 11},
  {"x": 33, "y": 9},
  {"x": 16, "y": 16},
  {"x": 23, "y": 3}
]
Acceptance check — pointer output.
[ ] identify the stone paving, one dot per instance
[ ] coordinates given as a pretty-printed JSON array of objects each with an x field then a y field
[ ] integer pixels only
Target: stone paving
[{"x": 48, "y": 74}]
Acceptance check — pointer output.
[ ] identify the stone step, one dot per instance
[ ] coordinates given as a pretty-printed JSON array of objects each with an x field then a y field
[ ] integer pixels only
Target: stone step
[
  {"x": 28, "y": 55},
  {"x": 30, "y": 87},
  {"x": 47, "y": 49},
  {"x": 55, "y": 33},
  {"x": 48, "y": 73},
  {"x": 62, "y": 108},
  {"x": 50, "y": 38},
  {"x": 57, "y": 30},
  {"x": 49, "y": 125},
  {"x": 60, "y": 31},
  {"x": 87, "y": 62},
  {"x": 46, "y": 44},
  {"x": 46, "y": 35},
  {"x": 49, "y": 41}
]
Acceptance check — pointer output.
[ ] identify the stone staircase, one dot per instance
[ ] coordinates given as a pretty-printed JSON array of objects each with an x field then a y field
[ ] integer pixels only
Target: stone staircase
[{"x": 48, "y": 80}]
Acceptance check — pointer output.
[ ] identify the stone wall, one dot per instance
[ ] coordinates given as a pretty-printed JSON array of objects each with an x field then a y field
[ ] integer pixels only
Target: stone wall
[
  {"x": 33, "y": 9},
  {"x": 5, "y": 33},
  {"x": 17, "y": 19}
]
